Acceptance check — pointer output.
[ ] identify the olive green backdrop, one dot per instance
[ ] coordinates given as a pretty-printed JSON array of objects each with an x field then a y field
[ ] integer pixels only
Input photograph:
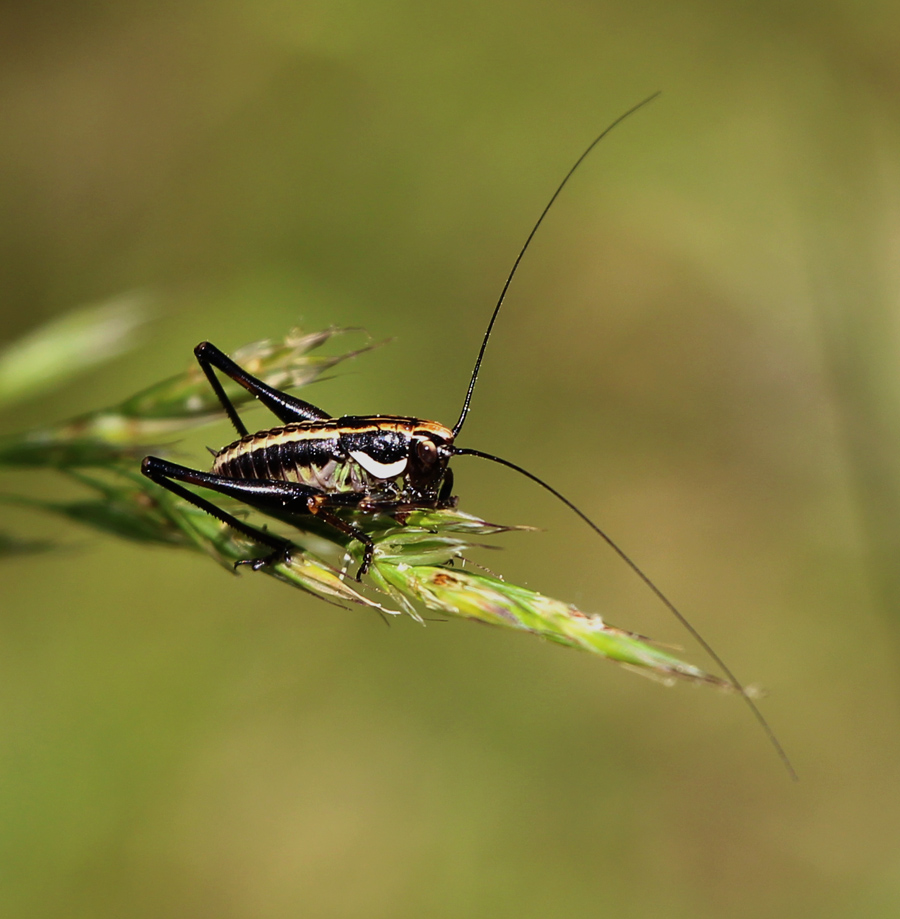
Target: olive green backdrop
[{"x": 701, "y": 348}]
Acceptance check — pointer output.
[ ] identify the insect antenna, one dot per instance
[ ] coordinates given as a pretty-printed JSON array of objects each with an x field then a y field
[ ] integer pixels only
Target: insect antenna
[
  {"x": 465, "y": 409},
  {"x": 736, "y": 684}
]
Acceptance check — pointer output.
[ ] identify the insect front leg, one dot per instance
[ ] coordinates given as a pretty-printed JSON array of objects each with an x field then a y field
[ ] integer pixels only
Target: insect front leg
[{"x": 445, "y": 496}]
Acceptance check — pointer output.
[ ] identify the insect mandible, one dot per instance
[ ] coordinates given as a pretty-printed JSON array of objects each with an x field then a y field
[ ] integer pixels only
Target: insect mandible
[{"x": 314, "y": 464}]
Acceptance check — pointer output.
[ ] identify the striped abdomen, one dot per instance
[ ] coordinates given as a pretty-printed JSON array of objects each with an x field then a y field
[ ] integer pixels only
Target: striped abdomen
[
  {"x": 371, "y": 455},
  {"x": 290, "y": 455}
]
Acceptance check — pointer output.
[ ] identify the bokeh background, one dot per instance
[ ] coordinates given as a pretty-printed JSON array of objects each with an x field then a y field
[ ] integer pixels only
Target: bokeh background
[{"x": 701, "y": 348}]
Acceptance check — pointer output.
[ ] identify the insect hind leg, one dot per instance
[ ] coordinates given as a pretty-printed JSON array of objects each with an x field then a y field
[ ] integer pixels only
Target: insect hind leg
[
  {"x": 269, "y": 496},
  {"x": 168, "y": 475},
  {"x": 287, "y": 409}
]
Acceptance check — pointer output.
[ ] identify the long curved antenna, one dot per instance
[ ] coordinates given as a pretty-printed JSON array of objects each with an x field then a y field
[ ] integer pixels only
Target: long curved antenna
[
  {"x": 738, "y": 686},
  {"x": 465, "y": 409}
]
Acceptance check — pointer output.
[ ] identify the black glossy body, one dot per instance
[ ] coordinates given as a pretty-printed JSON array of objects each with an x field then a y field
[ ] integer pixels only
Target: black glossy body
[{"x": 313, "y": 463}]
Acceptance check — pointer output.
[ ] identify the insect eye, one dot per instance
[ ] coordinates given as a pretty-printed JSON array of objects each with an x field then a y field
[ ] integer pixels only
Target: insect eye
[{"x": 426, "y": 451}]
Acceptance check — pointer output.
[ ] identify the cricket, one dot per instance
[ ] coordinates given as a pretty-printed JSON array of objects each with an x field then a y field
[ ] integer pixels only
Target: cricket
[{"x": 315, "y": 465}]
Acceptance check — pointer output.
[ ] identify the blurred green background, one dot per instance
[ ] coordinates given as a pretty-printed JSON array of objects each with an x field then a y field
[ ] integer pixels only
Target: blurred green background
[{"x": 701, "y": 348}]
